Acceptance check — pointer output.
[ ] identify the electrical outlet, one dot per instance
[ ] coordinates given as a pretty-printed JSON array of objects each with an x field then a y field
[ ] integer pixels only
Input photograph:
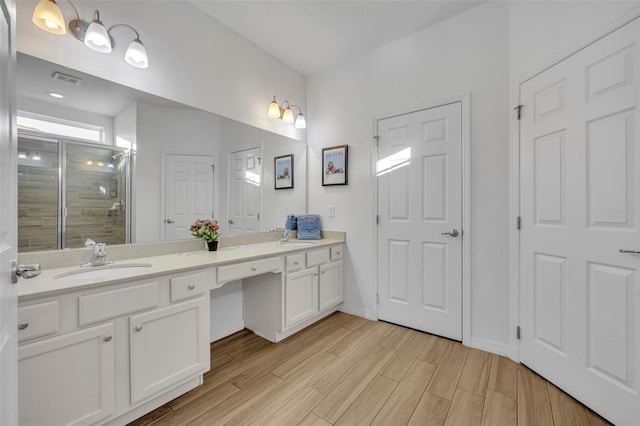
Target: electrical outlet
[{"x": 332, "y": 211}]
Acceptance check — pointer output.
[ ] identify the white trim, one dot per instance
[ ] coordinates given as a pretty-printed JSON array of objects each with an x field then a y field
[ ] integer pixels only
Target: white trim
[
  {"x": 514, "y": 149},
  {"x": 465, "y": 100},
  {"x": 492, "y": 346},
  {"x": 358, "y": 311},
  {"x": 226, "y": 331}
]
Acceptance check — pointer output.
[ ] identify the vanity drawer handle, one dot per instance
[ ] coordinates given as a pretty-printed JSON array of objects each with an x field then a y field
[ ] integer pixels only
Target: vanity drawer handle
[
  {"x": 108, "y": 338},
  {"x": 23, "y": 325},
  {"x": 253, "y": 268},
  {"x": 323, "y": 272},
  {"x": 138, "y": 327},
  {"x": 295, "y": 263},
  {"x": 191, "y": 286}
]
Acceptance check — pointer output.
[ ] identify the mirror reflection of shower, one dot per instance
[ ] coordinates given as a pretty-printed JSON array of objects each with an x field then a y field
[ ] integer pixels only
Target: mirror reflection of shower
[{"x": 70, "y": 190}]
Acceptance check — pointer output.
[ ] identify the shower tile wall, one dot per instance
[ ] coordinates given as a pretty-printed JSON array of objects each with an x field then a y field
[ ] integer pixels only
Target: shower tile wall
[{"x": 37, "y": 209}]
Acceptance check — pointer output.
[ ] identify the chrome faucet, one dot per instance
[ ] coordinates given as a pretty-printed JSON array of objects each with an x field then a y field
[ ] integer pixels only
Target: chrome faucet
[
  {"x": 99, "y": 254},
  {"x": 285, "y": 236}
]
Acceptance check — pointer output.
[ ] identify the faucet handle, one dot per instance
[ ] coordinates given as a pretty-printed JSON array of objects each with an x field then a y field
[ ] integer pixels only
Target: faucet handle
[
  {"x": 89, "y": 243},
  {"x": 99, "y": 249}
]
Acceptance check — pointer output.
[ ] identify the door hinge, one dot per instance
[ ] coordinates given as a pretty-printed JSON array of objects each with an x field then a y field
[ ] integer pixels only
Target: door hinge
[
  {"x": 377, "y": 299},
  {"x": 518, "y": 332},
  {"x": 518, "y": 223},
  {"x": 377, "y": 219},
  {"x": 376, "y": 139},
  {"x": 213, "y": 168},
  {"x": 519, "y": 111},
  {"x": 258, "y": 216},
  {"x": 259, "y": 160}
]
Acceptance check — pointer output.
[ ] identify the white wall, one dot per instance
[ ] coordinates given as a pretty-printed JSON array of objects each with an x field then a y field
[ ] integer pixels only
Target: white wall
[
  {"x": 467, "y": 53},
  {"x": 193, "y": 59},
  {"x": 166, "y": 131}
]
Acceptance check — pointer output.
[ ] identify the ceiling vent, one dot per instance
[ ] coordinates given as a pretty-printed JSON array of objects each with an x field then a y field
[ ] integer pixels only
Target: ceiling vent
[{"x": 66, "y": 78}]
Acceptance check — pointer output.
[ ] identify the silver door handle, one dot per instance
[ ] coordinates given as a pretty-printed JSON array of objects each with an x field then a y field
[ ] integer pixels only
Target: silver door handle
[
  {"x": 452, "y": 233},
  {"x": 24, "y": 271},
  {"x": 169, "y": 221},
  {"x": 230, "y": 221},
  {"x": 629, "y": 251}
]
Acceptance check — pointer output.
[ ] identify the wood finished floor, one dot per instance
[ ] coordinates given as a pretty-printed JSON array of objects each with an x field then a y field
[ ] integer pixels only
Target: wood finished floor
[{"x": 345, "y": 370}]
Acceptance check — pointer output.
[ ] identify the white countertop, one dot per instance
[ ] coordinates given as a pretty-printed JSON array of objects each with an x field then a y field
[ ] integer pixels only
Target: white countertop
[{"x": 46, "y": 285}]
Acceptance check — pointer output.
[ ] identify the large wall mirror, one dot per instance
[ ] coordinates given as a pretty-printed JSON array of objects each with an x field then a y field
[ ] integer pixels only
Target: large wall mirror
[{"x": 118, "y": 165}]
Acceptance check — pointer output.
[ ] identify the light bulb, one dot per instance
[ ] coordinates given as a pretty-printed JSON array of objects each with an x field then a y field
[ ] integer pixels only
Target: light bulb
[
  {"x": 287, "y": 116},
  {"x": 48, "y": 17},
  {"x": 100, "y": 163},
  {"x": 301, "y": 123},
  {"x": 22, "y": 154},
  {"x": 36, "y": 157},
  {"x": 89, "y": 163},
  {"x": 136, "y": 55},
  {"x": 96, "y": 37},
  {"x": 274, "y": 109}
]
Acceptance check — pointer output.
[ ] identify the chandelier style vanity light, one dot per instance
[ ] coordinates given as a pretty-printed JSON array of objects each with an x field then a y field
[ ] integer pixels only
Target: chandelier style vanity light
[
  {"x": 48, "y": 16},
  {"x": 285, "y": 114}
]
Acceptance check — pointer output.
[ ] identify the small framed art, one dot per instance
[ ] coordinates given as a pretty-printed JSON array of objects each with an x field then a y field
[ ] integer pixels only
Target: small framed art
[
  {"x": 283, "y": 176},
  {"x": 334, "y": 165}
]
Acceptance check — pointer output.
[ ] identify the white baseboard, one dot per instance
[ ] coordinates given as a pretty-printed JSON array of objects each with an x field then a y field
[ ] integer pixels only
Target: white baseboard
[
  {"x": 357, "y": 311},
  {"x": 492, "y": 346},
  {"x": 224, "y": 332}
]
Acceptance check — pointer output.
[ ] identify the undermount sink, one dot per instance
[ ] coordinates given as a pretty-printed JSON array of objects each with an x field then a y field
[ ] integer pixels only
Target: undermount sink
[
  {"x": 110, "y": 271},
  {"x": 297, "y": 244}
]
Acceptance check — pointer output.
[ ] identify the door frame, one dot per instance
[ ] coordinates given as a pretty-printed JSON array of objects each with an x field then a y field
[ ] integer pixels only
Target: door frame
[
  {"x": 514, "y": 168},
  {"x": 465, "y": 100},
  {"x": 163, "y": 189}
]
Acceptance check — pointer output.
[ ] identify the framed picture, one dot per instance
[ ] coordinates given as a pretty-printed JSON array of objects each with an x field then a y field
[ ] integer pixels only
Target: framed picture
[
  {"x": 334, "y": 165},
  {"x": 283, "y": 176}
]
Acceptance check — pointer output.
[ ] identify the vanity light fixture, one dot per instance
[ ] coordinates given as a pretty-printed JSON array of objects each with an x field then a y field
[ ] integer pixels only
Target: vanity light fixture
[
  {"x": 285, "y": 113},
  {"x": 22, "y": 155},
  {"x": 48, "y": 17}
]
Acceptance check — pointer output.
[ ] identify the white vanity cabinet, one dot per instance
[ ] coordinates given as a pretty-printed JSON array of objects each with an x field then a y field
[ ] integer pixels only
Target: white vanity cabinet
[
  {"x": 276, "y": 307},
  {"x": 113, "y": 352}
]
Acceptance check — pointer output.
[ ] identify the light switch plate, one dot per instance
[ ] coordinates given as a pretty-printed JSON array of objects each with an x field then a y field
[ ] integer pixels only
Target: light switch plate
[{"x": 332, "y": 211}]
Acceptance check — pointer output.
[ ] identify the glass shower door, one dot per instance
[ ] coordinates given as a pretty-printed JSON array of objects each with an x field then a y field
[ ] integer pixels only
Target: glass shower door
[{"x": 95, "y": 195}]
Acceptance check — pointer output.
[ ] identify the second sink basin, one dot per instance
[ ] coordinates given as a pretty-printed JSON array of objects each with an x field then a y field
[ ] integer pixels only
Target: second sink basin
[
  {"x": 298, "y": 244},
  {"x": 110, "y": 271}
]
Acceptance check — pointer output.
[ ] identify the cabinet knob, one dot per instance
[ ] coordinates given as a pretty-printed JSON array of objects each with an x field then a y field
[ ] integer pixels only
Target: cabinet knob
[
  {"x": 295, "y": 263},
  {"x": 138, "y": 327},
  {"x": 107, "y": 338},
  {"x": 23, "y": 325},
  {"x": 191, "y": 286},
  {"x": 315, "y": 275},
  {"x": 253, "y": 268},
  {"x": 323, "y": 272}
]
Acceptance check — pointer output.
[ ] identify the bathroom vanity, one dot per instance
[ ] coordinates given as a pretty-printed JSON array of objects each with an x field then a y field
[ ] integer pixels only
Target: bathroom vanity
[{"x": 107, "y": 345}]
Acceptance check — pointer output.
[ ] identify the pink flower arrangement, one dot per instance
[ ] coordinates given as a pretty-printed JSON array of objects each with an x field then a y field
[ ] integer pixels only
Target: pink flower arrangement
[{"x": 205, "y": 229}]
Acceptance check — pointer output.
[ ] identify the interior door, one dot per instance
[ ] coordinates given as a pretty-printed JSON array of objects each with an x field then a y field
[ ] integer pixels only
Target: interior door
[
  {"x": 419, "y": 171},
  {"x": 580, "y": 206},
  {"x": 245, "y": 182},
  {"x": 8, "y": 219},
  {"x": 188, "y": 193}
]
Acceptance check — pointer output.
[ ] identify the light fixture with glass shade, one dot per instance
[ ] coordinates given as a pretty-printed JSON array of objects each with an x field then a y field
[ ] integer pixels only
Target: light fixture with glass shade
[
  {"x": 283, "y": 112},
  {"x": 94, "y": 35}
]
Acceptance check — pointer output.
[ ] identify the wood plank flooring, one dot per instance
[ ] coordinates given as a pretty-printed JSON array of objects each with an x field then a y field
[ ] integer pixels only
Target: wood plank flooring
[{"x": 345, "y": 370}]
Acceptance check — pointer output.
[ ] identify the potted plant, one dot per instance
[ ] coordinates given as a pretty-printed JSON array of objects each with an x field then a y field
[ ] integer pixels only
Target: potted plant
[{"x": 207, "y": 230}]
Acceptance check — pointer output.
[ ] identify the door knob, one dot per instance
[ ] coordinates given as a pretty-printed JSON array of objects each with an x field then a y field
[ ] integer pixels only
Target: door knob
[
  {"x": 24, "y": 271},
  {"x": 452, "y": 233},
  {"x": 169, "y": 221},
  {"x": 230, "y": 221}
]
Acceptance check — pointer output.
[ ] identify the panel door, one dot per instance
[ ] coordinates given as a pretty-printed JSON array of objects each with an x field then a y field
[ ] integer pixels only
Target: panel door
[
  {"x": 300, "y": 296},
  {"x": 245, "y": 196},
  {"x": 579, "y": 204},
  {"x": 188, "y": 193},
  {"x": 69, "y": 379},
  {"x": 330, "y": 292},
  {"x": 8, "y": 216},
  {"x": 168, "y": 345},
  {"x": 419, "y": 171}
]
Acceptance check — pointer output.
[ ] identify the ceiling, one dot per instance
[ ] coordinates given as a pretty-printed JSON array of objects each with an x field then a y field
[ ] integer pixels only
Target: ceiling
[{"x": 312, "y": 35}]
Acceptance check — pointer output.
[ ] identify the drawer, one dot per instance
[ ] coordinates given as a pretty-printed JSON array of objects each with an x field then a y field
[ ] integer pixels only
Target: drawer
[
  {"x": 295, "y": 262},
  {"x": 248, "y": 269},
  {"x": 317, "y": 257},
  {"x": 336, "y": 252},
  {"x": 115, "y": 303},
  {"x": 188, "y": 286},
  {"x": 38, "y": 320}
]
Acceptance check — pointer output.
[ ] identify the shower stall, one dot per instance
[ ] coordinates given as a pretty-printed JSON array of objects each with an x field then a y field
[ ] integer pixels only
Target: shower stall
[{"x": 70, "y": 190}]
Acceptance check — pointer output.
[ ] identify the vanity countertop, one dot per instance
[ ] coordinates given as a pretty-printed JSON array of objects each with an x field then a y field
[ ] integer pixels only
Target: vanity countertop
[{"x": 46, "y": 285}]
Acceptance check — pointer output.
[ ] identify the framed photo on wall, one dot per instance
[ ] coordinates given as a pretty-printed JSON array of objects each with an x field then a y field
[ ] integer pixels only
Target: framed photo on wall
[
  {"x": 283, "y": 176},
  {"x": 334, "y": 165}
]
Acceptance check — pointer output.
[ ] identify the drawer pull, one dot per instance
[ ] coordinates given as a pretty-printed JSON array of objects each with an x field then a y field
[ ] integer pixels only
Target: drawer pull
[
  {"x": 295, "y": 263},
  {"x": 138, "y": 327},
  {"x": 338, "y": 253},
  {"x": 191, "y": 286},
  {"x": 315, "y": 275},
  {"x": 108, "y": 338},
  {"x": 323, "y": 272},
  {"x": 253, "y": 268},
  {"x": 23, "y": 325}
]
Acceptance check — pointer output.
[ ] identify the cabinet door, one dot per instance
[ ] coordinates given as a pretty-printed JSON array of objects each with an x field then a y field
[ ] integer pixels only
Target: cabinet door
[
  {"x": 300, "y": 296},
  {"x": 68, "y": 379},
  {"x": 168, "y": 345},
  {"x": 330, "y": 285}
]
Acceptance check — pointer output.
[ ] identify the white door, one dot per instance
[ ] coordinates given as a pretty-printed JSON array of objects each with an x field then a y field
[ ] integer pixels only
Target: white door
[
  {"x": 8, "y": 218},
  {"x": 188, "y": 193},
  {"x": 419, "y": 171},
  {"x": 580, "y": 189},
  {"x": 245, "y": 181}
]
